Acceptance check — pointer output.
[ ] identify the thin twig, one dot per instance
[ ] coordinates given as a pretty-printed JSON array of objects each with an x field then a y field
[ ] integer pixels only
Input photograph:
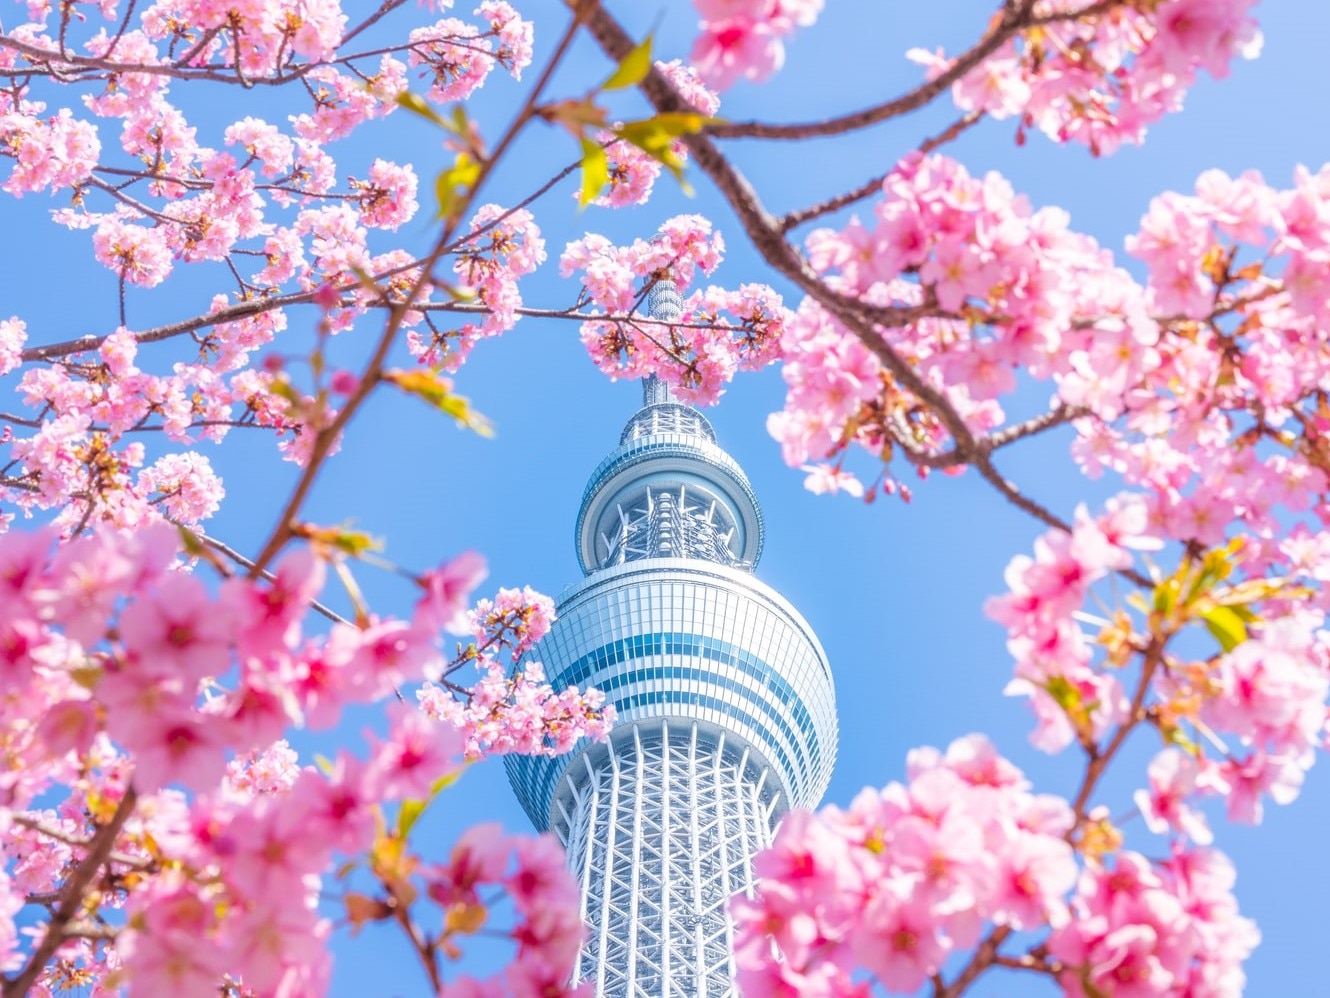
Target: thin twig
[
  {"x": 794, "y": 219},
  {"x": 1016, "y": 17}
]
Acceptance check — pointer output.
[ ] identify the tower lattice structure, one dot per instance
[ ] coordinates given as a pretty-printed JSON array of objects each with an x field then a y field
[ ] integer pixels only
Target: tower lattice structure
[{"x": 726, "y": 710}]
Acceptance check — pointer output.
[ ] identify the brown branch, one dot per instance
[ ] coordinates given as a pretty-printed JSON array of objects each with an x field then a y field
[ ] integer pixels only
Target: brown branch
[
  {"x": 1056, "y": 416},
  {"x": 985, "y": 955},
  {"x": 99, "y": 852},
  {"x": 1028, "y": 961},
  {"x": 1016, "y": 16},
  {"x": 1099, "y": 758}
]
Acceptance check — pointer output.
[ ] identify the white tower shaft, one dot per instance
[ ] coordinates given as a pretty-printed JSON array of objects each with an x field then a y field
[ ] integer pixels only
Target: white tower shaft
[{"x": 661, "y": 831}]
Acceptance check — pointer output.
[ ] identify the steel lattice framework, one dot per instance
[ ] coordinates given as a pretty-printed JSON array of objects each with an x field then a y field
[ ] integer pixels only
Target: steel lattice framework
[
  {"x": 725, "y": 704},
  {"x": 654, "y": 797}
]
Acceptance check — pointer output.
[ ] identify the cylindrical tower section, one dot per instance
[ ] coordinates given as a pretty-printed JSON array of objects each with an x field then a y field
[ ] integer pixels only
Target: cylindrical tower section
[
  {"x": 691, "y": 641},
  {"x": 724, "y": 699},
  {"x": 661, "y": 828}
]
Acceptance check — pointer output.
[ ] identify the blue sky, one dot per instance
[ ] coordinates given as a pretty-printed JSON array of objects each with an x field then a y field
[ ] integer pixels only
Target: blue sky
[{"x": 895, "y": 591}]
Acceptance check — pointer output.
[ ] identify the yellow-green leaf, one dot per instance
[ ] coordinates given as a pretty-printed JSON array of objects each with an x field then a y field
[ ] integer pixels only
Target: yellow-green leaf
[
  {"x": 367, "y": 280},
  {"x": 281, "y": 387},
  {"x": 461, "y": 124},
  {"x": 455, "y": 291},
  {"x": 436, "y": 390},
  {"x": 655, "y": 136},
  {"x": 634, "y": 68},
  {"x": 408, "y": 815},
  {"x": 455, "y": 181},
  {"x": 193, "y": 544},
  {"x": 418, "y": 105},
  {"x": 1174, "y": 735},
  {"x": 1226, "y": 626},
  {"x": 595, "y": 171},
  {"x": 411, "y": 810},
  {"x": 343, "y": 539}
]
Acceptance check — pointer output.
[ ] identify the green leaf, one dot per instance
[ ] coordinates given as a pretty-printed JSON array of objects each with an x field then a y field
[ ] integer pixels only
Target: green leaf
[
  {"x": 655, "y": 136},
  {"x": 445, "y": 193},
  {"x": 1174, "y": 735},
  {"x": 281, "y": 387},
  {"x": 456, "y": 292},
  {"x": 339, "y": 538},
  {"x": 433, "y": 388},
  {"x": 411, "y": 810},
  {"x": 595, "y": 171},
  {"x": 366, "y": 281},
  {"x": 192, "y": 542},
  {"x": 418, "y": 105},
  {"x": 455, "y": 181},
  {"x": 408, "y": 815},
  {"x": 461, "y": 124},
  {"x": 634, "y": 68},
  {"x": 1067, "y": 696},
  {"x": 1226, "y": 625}
]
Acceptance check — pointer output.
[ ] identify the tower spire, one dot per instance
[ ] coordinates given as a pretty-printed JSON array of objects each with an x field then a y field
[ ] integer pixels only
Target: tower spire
[{"x": 664, "y": 304}]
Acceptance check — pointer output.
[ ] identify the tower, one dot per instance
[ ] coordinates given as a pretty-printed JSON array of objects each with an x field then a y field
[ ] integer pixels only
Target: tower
[{"x": 726, "y": 711}]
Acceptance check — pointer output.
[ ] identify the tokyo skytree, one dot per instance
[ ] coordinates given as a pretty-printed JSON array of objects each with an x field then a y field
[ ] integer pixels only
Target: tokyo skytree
[{"x": 726, "y": 710}]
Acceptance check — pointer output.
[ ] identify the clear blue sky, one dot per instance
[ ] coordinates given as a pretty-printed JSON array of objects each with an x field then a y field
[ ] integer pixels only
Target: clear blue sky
[{"x": 894, "y": 591}]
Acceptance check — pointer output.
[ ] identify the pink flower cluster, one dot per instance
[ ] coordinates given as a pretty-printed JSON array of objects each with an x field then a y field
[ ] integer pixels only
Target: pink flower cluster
[
  {"x": 1177, "y": 379},
  {"x": 1102, "y": 79},
  {"x": 913, "y": 873},
  {"x": 51, "y": 153},
  {"x": 545, "y": 895},
  {"x": 83, "y": 461},
  {"x": 504, "y": 246},
  {"x": 269, "y": 191},
  {"x": 511, "y": 708},
  {"x": 257, "y": 38},
  {"x": 1267, "y": 694},
  {"x": 717, "y": 334},
  {"x": 984, "y": 286},
  {"x": 1071, "y": 698},
  {"x": 1143, "y": 928},
  {"x": 119, "y": 668},
  {"x": 743, "y": 38}
]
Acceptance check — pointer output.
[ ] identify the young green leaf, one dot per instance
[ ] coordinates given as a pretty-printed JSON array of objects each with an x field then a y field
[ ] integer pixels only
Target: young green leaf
[
  {"x": 454, "y": 181},
  {"x": 595, "y": 171},
  {"x": 411, "y": 810},
  {"x": 418, "y": 105},
  {"x": 1226, "y": 626},
  {"x": 634, "y": 68},
  {"x": 655, "y": 136},
  {"x": 436, "y": 390}
]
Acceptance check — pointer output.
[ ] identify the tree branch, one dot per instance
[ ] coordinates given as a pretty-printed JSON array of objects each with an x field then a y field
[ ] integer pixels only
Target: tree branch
[
  {"x": 99, "y": 852},
  {"x": 1016, "y": 16}
]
